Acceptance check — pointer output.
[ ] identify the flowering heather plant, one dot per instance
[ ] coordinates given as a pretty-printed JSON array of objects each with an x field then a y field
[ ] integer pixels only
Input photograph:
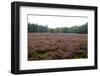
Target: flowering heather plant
[{"x": 53, "y": 46}]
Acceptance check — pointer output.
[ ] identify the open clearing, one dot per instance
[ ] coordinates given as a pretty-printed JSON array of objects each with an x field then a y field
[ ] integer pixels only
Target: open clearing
[{"x": 53, "y": 46}]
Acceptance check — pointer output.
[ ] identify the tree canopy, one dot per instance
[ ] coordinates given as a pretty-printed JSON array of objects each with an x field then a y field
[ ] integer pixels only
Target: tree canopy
[{"x": 83, "y": 29}]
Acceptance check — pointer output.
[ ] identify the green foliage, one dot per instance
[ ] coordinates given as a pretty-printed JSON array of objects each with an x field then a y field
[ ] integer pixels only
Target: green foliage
[
  {"x": 39, "y": 55},
  {"x": 51, "y": 30},
  {"x": 37, "y": 28},
  {"x": 83, "y": 29}
]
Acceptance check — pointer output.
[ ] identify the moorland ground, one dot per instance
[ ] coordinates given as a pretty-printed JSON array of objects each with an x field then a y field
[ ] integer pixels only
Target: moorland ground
[{"x": 53, "y": 46}]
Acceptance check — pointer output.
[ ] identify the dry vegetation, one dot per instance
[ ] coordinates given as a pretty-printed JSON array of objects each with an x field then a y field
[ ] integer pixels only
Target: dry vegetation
[{"x": 52, "y": 46}]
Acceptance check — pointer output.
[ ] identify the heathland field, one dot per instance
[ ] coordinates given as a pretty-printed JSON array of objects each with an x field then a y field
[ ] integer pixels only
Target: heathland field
[{"x": 53, "y": 46}]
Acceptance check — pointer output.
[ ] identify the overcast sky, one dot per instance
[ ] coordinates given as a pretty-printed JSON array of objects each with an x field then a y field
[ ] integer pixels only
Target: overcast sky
[{"x": 57, "y": 21}]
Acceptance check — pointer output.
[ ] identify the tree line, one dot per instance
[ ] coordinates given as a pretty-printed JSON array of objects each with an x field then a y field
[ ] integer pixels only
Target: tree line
[{"x": 83, "y": 29}]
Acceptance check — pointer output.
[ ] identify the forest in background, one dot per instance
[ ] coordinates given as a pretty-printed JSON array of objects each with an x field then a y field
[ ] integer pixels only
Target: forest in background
[{"x": 83, "y": 29}]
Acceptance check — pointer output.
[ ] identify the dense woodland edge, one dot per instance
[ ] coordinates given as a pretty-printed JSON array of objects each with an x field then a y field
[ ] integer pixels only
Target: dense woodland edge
[{"x": 36, "y": 28}]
